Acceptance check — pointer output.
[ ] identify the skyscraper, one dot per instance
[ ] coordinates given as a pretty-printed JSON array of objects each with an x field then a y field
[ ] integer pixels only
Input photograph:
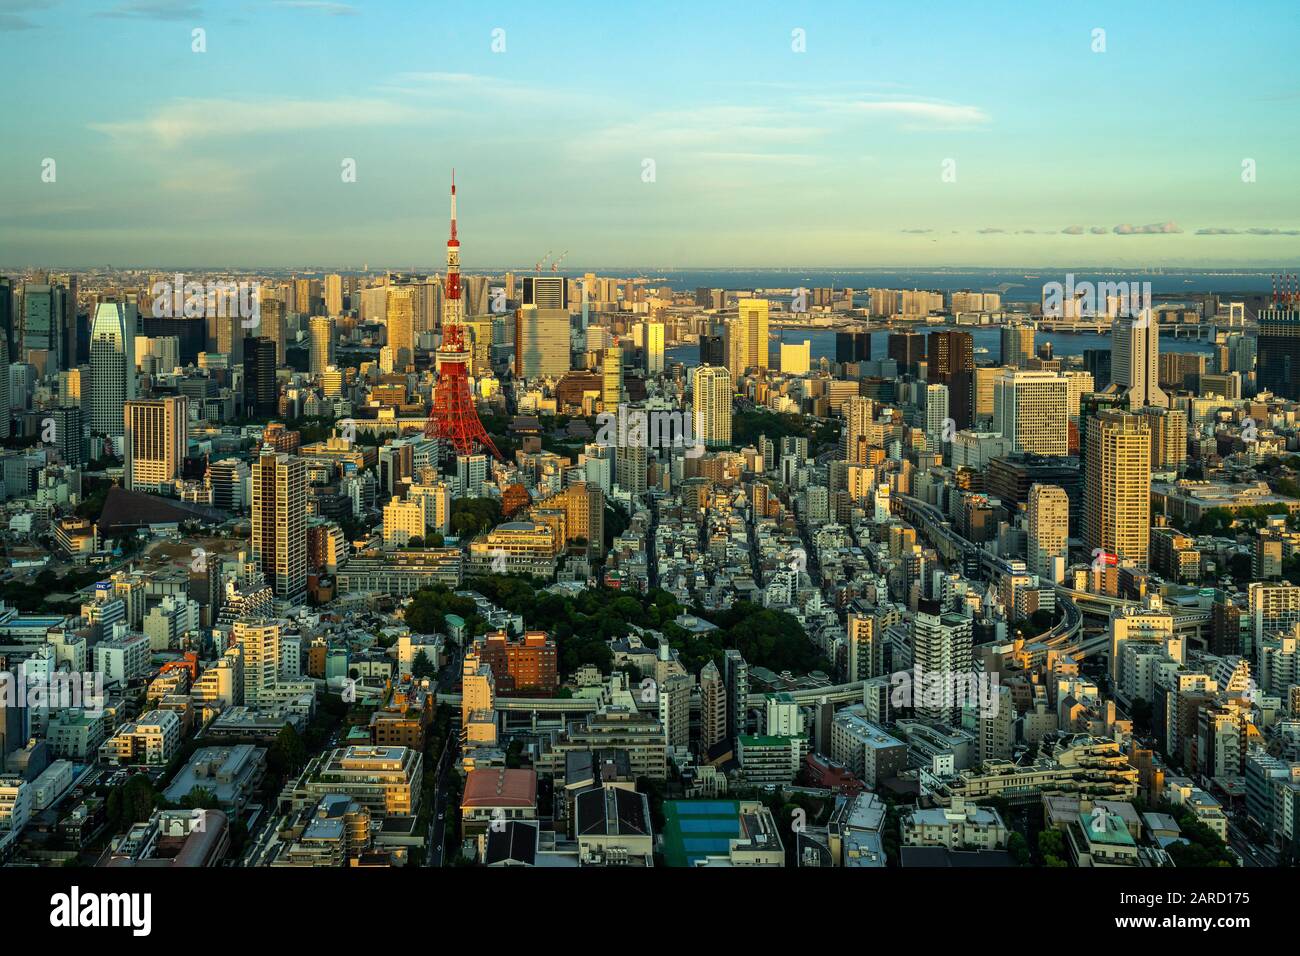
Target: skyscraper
[
  {"x": 1117, "y": 486},
  {"x": 1030, "y": 409},
  {"x": 852, "y": 346},
  {"x": 261, "y": 391},
  {"x": 952, "y": 363},
  {"x": 936, "y": 415},
  {"x": 321, "y": 329},
  {"x": 546, "y": 292},
  {"x": 5, "y": 410},
  {"x": 713, "y": 350},
  {"x": 112, "y": 365},
  {"x": 711, "y": 391},
  {"x": 906, "y": 348},
  {"x": 1017, "y": 345},
  {"x": 654, "y": 348},
  {"x": 854, "y": 441},
  {"x": 279, "y": 513},
  {"x": 401, "y": 326},
  {"x": 611, "y": 374},
  {"x": 541, "y": 342},
  {"x": 7, "y": 314},
  {"x": 1047, "y": 522},
  {"x": 42, "y": 320},
  {"x": 273, "y": 328},
  {"x": 333, "y": 294},
  {"x": 747, "y": 344},
  {"x": 1278, "y": 350},
  {"x": 154, "y": 442},
  {"x": 1135, "y": 360}
]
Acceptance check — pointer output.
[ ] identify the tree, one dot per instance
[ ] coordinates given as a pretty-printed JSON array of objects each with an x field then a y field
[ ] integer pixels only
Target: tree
[
  {"x": 1051, "y": 847},
  {"x": 200, "y": 798},
  {"x": 422, "y": 667},
  {"x": 471, "y": 516},
  {"x": 1018, "y": 847},
  {"x": 288, "y": 753}
]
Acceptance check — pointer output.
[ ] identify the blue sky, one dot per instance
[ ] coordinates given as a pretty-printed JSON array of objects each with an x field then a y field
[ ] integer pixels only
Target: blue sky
[{"x": 762, "y": 155}]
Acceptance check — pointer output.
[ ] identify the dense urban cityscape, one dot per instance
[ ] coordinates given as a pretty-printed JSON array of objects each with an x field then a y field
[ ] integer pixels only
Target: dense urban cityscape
[{"x": 564, "y": 440}]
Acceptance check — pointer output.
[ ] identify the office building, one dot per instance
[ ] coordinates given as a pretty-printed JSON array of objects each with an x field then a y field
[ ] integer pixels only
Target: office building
[
  {"x": 112, "y": 365},
  {"x": 951, "y": 362},
  {"x": 154, "y": 442},
  {"x": 1135, "y": 360},
  {"x": 541, "y": 342},
  {"x": 1030, "y": 409}
]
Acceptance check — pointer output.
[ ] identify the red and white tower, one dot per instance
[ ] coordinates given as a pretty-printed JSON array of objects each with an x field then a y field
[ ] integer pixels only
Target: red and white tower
[
  {"x": 453, "y": 307},
  {"x": 453, "y": 418}
]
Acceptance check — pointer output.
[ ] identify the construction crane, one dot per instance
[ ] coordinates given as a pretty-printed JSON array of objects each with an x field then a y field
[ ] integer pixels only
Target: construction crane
[
  {"x": 555, "y": 266},
  {"x": 538, "y": 267}
]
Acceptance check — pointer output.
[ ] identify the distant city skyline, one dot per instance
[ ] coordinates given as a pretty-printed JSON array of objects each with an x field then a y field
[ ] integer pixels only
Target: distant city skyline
[{"x": 890, "y": 141}]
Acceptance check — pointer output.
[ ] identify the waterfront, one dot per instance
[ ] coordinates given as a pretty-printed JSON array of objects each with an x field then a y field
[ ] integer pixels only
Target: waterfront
[{"x": 822, "y": 344}]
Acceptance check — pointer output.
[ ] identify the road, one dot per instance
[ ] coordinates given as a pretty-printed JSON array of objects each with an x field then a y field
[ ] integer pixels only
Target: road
[
  {"x": 437, "y": 842},
  {"x": 1251, "y": 854}
]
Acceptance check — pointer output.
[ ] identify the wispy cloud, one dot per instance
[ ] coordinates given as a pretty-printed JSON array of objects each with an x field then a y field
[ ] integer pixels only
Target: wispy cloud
[
  {"x": 915, "y": 113},
  {"x": 186, "y": 120},
  {"x": 154, "y": 10},
  {"x": 1253, "y": 231},
  {"x": 13, "y": 14},
  {"x": 319, "y": 6}
]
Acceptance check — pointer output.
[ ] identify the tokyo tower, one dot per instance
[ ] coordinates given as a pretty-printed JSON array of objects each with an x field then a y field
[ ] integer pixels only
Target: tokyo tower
[{"x": 453, "y": 417}]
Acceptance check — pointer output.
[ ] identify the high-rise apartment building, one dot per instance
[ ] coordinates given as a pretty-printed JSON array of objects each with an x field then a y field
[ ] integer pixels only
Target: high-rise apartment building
[
  {"x": 279, "y": 513},
  {"x": 1047, "y": 522},
  {"x": 321, "y": 332},
  {"x": 611, "y": 377},
  {"x": 936, "y": 416},
  {"x": 654, "y": 348},
  {"x": 259, "y": 644},
  {"x": 1117, "y": 486},
  {"x": 943, "y": 644},
  {"x": 401, "y": 326},
  {"x": 711, "y": 392},
  {"x": 333, "y": 294},
  {"x": 747, "y": 344},
  {"x": 713, "y": 707}
]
